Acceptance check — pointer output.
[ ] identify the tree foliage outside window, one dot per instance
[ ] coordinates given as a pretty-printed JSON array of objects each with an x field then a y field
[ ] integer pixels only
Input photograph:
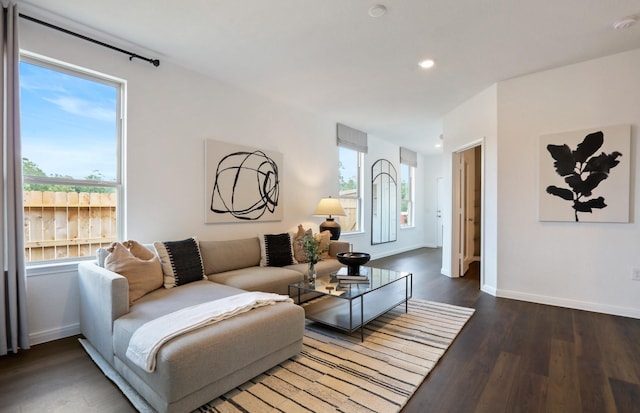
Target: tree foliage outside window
[
  {"x": 350, "y": 188},
  {"x": 30, "y": 169},
  {"x": 407, "y": 190}
]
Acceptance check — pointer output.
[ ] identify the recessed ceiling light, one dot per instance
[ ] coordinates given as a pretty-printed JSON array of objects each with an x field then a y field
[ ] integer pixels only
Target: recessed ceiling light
[
  {"x": 438, "y": 145},
  {"x": 427, "y": 63},
  {"x": 624, "y": 23},
  {"x": 377, "y": 11}
]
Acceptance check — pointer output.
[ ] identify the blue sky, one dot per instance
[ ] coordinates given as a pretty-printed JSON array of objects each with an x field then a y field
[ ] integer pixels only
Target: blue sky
[{"x": 68, "y": 123}]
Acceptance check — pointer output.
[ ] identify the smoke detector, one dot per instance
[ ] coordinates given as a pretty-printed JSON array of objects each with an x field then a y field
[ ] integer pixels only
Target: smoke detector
[
  {"x": 377, "y": 11},
  {"x": 625, "y": 23}
]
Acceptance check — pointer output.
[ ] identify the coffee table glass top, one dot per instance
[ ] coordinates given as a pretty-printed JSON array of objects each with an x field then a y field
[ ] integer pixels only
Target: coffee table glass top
[{"x": 330, "y": 285}]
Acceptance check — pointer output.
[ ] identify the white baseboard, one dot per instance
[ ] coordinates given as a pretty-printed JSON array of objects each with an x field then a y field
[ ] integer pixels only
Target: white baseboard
[
  {"x": 54, "y": 334},
  {"x": 398, "y": 251},
  {"x": 568, "y": 303},
  {"x": 489, "y": 289}
]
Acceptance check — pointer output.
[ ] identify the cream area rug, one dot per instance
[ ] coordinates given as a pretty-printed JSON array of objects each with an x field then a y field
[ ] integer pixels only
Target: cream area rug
[{"x": 336, "y": 372}]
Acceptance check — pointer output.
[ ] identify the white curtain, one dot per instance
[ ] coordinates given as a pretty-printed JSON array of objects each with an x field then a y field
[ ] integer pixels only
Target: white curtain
[{"x": 14, "y": 332}]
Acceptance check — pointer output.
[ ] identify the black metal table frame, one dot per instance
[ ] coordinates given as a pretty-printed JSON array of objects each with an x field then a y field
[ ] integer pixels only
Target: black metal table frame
[{"x": 307, "y": 287}]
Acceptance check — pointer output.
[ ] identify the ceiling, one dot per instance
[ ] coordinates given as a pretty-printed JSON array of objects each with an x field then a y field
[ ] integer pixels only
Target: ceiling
[{"x": 331, "y": 58}]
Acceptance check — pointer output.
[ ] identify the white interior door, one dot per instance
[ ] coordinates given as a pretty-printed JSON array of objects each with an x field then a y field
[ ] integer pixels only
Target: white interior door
[
  {"x": 470, "y": 187},
  {"x": 462, "y": 229},
  {"x": 461, "y": 206}
]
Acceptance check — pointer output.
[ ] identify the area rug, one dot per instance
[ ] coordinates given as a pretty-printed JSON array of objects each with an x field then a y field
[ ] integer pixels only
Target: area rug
[{"x": 336, "y": 372}]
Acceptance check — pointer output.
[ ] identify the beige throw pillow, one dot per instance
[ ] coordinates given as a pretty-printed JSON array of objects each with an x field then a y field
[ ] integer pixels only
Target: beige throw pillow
[
  {"x": 325, "y": 238},
  {"x": 138, "y": 264},
  {"x": 298, "y": 244},
  {"x": 300, "y": 254}
]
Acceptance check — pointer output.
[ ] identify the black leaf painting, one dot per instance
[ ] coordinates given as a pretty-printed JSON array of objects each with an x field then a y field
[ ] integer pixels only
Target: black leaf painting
[{"x": 582, "y": 171}]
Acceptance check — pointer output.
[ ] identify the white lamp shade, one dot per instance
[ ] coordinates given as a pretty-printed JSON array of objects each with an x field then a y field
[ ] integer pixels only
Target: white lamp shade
[{"x": 329, "y": 206}]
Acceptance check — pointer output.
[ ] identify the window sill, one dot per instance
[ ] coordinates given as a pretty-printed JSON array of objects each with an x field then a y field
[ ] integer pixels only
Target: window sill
[
  {"x": 52, "y": 267},
  {"x": 351, "y": 234}
]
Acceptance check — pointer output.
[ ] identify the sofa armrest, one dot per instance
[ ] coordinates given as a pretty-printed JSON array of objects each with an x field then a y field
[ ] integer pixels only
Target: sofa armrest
[
  {"x": 338, "y": 246},
  {"x": 104, "y": 297}
]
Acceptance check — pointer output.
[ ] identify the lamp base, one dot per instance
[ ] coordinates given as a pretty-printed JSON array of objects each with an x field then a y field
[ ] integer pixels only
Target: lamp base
[{"x": 332, "y": 226}]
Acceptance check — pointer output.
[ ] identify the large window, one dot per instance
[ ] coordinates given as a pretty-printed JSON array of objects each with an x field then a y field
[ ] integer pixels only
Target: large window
[
  {"x": 407, "y": 191},
  {"x": 350, "y": 188},
  {"x": 71, "y": 125}
]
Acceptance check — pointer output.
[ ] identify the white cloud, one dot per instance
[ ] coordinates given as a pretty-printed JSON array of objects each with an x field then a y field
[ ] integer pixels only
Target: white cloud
[{"x": 83, "y": 108}]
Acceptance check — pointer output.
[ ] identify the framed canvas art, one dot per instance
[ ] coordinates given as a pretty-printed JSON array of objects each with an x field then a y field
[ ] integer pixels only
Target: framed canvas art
[
  {"x": 241, "y": 183},
  {"x": 585, "y": 175}
]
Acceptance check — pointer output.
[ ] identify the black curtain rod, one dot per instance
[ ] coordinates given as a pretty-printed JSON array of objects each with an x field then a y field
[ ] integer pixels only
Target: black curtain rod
[{"x": 132, "y": 55}]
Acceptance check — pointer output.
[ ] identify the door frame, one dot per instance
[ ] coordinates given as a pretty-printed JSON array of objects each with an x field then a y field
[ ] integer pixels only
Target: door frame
[
  {"x": 456, "y": 182},
  {"x": 441, "y": 202}
]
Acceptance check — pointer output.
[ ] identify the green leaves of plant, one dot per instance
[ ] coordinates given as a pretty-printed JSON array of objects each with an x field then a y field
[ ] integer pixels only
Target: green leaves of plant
[{"x": 572, "y": 165}]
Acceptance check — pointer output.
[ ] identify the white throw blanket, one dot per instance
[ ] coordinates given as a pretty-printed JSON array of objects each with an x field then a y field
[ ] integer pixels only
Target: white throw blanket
[{"x": 148, "y": 338}]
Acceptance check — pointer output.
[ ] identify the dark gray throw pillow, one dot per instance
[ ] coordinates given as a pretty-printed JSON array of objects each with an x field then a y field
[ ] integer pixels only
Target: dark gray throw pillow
[
  {"x": 181, "y": 261},
  {"x": 276, "y": 250}
]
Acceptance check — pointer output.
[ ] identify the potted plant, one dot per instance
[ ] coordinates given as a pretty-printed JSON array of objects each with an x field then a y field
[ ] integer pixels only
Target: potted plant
[{"x": 311, "y": 245}]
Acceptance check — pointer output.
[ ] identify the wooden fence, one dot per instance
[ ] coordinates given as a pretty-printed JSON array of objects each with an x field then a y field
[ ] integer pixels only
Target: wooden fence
[{"x": 67, "y": 224}]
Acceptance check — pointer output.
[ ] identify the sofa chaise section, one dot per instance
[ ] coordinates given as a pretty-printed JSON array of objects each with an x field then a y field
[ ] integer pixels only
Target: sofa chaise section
[
  {"x": 196, "y": 367},
  {"x": 211, "y": 360}
]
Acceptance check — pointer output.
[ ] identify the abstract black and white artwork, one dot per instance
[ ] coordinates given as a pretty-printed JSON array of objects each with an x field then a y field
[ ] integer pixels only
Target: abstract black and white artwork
[
  {"x": 241, "y": 183},
  {"x": 584, "y": 175}
]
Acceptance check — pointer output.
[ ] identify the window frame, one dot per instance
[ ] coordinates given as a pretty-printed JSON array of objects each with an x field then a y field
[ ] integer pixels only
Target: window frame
[
  {"x": 119, "y": 183},
  {"x": 358, "y": 196},
  {"x": 410, "y": 194}
]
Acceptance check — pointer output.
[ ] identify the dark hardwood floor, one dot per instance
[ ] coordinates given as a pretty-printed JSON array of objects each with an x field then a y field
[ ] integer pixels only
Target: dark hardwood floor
[{"x": 512, "y": 356}]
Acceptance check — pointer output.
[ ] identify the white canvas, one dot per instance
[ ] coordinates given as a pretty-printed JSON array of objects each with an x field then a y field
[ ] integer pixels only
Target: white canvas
[
  {"x": 607, "y": 166},
  {"x": 242, "y": 184}
]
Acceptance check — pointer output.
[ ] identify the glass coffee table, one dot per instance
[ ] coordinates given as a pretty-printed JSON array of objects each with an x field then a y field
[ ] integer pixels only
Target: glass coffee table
[{"x": 350, "y": 306}]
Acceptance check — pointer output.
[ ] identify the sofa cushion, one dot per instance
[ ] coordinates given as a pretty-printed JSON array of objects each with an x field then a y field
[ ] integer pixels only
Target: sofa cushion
[
  {"x": 267, "y": 279},
  {"x": 101, "y": 255},
  {"x": 139, "y": 265},
  {"x": 181, "y": 261},
  {"x": 228, "y": 255},
  {"x": 276, "y": 250}
]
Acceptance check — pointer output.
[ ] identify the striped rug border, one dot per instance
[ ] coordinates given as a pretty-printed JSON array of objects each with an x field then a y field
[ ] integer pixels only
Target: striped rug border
[{"x": 336, "y": 372}]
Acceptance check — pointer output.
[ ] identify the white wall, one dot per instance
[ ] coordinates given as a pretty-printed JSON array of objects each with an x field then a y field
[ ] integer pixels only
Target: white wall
[
  {"x": 472, "y": 122},
  {"x": 170, "y": 112},
  {"x": 580, "y": 265}
]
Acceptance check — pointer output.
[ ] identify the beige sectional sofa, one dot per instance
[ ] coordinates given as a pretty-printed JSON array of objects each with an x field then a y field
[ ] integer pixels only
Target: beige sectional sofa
[{"x": 197, "y": 367}]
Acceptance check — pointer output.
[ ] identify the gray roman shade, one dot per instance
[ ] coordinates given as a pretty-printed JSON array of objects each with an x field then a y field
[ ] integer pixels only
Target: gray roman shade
[
  {"x": 408, "y": 157},
  {"x": 352, "y": 138}
]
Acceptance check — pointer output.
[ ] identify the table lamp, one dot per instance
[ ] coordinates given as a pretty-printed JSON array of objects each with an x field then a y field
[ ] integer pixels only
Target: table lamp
[{"x": 330, "y": 207}]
